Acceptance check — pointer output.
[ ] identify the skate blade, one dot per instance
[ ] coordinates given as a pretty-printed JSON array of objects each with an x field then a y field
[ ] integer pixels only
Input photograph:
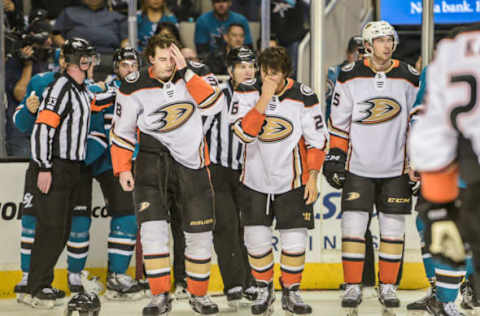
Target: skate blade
[
  {"x": 24, "y": 298},
  {"x": 390, "y": 311},
  {"x": 180, "y": 296},
  {"x": 43, "y": 304},
  {"x": 116, "y": 296},
  {"x": 350, "y": 311},
  {"x": 288, "y": 313},
  {"x": 416, "y": 313}
]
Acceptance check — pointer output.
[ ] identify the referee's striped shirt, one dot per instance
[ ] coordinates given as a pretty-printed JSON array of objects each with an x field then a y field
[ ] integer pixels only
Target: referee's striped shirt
[
  {"x": 224, "y": 147},
  {"x": 62, "y": 123}
]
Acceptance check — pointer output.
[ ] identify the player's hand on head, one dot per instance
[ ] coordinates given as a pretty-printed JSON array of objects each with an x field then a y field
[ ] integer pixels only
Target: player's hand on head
[
  {"x": 269, "y": 85},
  {"x": 126, "y": 181},
  {"x": 177, "y": 56}
]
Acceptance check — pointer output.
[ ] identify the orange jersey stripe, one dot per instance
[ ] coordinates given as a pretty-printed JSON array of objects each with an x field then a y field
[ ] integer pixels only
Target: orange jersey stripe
[
  {"x": 315, "y": 158},
  {"x": 252, "y": 122},
  {"x": 338, "y": 142},
  {"x": 199, "y": 89},
  {"x": 121, "y": 159},
  {"x": 49, "y": 118},
  {"x": 440, "y": 186}
]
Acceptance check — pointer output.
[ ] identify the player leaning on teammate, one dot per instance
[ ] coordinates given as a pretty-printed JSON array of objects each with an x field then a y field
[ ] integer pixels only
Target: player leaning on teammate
[
  {"x": 58, "y": 151},
  {"x": 444, "y": 143},
  {"x": 367, "y": 158},
  {"x": 165, "y": 103},
  {"x": 281, "y": 123}
]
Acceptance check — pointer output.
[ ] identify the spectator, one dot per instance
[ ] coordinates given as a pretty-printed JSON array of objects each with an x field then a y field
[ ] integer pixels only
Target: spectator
[
  {"x": 153, "y": 12},
  {"x": 104, "y": 29},
  {"x": 32, "y": 58},
  {"x": 211, "y": 25},
  {"x": 287, "y": 21},
  {"x": 184, "y": 10},
  {"x": 234, "y": 38},
  {"x": 53, "y": 7},
  {"x": 249, "y": 8},
  {"x": 273, "y": 43},
  {"x": 14, "y": 14}
]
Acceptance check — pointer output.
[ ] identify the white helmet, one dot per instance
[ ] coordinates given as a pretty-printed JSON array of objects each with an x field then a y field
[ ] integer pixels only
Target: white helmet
[{"x": 379, "y": 29}]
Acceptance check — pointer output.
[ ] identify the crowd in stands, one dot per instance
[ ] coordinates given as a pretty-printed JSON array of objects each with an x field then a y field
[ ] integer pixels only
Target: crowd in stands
[{"x": 104, "y": 23}]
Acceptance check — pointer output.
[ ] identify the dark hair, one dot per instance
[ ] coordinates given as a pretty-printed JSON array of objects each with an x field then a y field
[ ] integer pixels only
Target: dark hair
[
  {"x": 170, "y": 27},
  {"x": 275, "y": 58},
  {"x": 160, "y": 41},
  {"x": 229, "y": 28}
]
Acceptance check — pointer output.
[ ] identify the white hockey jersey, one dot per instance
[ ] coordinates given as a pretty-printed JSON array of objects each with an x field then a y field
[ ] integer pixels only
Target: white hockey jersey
[
  {"x": 370, "y": 115},
  {"x": 283, "y": 144},
  {"x": 167, "y": 111},
  {"x": 451, "y": 111}
]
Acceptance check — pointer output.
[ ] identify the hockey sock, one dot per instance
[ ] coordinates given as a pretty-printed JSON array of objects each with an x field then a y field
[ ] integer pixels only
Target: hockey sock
[
  {"x": 121, "y": 242},
  {"x": 291, "y": 265},
  {"x": 469, "y": 266},
  {"x": 156, "y": 257},
  {"x": 353, "y": 259},
  {"x": 28, "y": 236},
  {"x": 389, "y": 259},
  {"x": 448, "y": 281},
  {"x": 198, "y": 253},
  {"x": 78, "y": 243},
  {"x": 262, "y": 266},
  {"x": 426, "y": 256}
]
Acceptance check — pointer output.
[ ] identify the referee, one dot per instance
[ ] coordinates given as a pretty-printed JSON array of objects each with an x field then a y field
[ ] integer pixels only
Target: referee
[
  {"x": 58, "y": 150},
  {"x": 226, "y": 155}
]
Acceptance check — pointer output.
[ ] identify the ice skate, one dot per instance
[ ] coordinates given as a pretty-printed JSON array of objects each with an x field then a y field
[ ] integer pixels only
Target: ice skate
[
  {"x": 21, "y": 291},
  {"x": 181, "y": 291},
  {"x": 83, "y": 304},
  {"x": 469, "y": 301},
  {"x": 250, "y": 293},
  {"x": 45, "y": 299},
  {"x": 292, "y": 302},
  {"x": 121, "y": 287},
  {"x": 444, "y": 309},
  {"x": 387, "y": 295},
  {"x": 160, "y": 305},
  {"x": 234, "y": 297},
  {"x": 203, "y": 305},
  {"x": 351, "y": 299},
  {"x": 263, "y": 304},
  {"x": 421, "y": 304},
  {"x": 82, "y": 282}
]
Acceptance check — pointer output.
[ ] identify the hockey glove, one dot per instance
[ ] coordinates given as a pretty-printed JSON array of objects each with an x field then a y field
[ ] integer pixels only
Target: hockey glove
[
  {"x": 334, "y": 167},
  {"x": 441, "y": 232}
]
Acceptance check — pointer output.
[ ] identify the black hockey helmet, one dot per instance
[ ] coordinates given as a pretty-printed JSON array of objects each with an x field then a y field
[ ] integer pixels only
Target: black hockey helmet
[
  {"x": 83, "y": 304},
  {"x": 76, "y": 48},
  {"x": 125, "y": 53},
  {"x": 241, "y": 54},
  {"x": 37, "y": 15},
  {"x": 356, "y": 43}
]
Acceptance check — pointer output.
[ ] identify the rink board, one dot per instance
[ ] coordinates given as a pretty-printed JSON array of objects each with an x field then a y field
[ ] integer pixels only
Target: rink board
[{"x": 322, "y": 271}]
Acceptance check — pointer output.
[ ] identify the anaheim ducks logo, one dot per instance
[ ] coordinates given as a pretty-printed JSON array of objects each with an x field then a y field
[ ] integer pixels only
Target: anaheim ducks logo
[
  {"x": 274, "y": 129},
  {"x": 379, "y": 110},
  {"x": 170, "y": 117}
]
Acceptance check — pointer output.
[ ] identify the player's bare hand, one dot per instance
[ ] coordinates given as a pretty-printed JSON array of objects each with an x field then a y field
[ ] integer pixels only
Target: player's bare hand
[
  {"x": 311, "y": 190},
  {"x": 27, "y": 52},
  {"x": 44, "y": 181},
  {"x": 126, "y": 181},
  {"x": 413, "y": 175},
  {"x": 269, "y": 85},
  {"x": 32, "y": 103},
  {"x": 177, "y": 57},
  {"x": 9, "y": 5}
]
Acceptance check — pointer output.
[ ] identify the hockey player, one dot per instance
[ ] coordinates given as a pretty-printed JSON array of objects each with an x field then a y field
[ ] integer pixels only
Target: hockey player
[
  {"x": 58, "y": 150},
  {"x": 164, "y": 103},
  {"x": 226, "y": 154},
  {"x": 119, "y": 203},
  {"x": 24, "y": 119},
  {"x": 281, "y": 123},
  {"x": 368, "y": 128},
  {"x": 444, "y": 279}
]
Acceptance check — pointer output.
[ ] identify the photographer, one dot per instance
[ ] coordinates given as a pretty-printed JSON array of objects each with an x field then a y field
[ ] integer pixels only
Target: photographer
[{"x": 31, "y": 56}]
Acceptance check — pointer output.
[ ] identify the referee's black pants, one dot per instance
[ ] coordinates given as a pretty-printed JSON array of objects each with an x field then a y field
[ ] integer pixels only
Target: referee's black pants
[
  {"x": 54, "y": 220},
  {"x": 228, "y": 242}
]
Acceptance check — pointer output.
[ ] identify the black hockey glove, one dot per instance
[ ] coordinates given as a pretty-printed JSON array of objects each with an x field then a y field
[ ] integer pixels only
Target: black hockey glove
[
  {"x": 334, "y": 167},
  {"x": 442, "y": 236}
]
